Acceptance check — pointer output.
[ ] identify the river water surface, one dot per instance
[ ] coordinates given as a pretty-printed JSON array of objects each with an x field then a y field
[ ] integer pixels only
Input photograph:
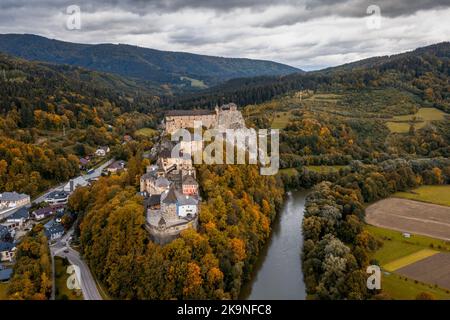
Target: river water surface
[{"x": 278, "y": 272}]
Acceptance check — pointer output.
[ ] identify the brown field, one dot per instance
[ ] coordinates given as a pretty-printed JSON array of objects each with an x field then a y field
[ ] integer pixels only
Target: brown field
[
  {"x": 411, "y": 216},
  {"x": 433, "y": 270}
]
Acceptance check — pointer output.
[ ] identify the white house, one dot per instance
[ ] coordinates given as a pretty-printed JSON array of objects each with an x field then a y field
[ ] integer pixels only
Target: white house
[
  {"x": 186, "y": 205},
  {"x": 102, "y": 151}
]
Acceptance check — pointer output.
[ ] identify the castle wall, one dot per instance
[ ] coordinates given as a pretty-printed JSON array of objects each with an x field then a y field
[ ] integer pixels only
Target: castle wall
[{"x": 164, "y": 236}]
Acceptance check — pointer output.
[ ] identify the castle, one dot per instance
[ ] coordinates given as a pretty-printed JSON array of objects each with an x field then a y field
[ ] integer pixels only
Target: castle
[
  {"x": 171, "y": 196},
  {"x": 224, "y": 117},
  {"x": 170, "y": 188}
]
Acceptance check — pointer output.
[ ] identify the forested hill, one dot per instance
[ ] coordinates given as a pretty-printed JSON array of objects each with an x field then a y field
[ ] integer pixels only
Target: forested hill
[
  {"x": 178, "y": 70},
  {"x": 424, "y": 72},
  {"x": 35, "y": 84},
  {"x": 52, "y": 115}
]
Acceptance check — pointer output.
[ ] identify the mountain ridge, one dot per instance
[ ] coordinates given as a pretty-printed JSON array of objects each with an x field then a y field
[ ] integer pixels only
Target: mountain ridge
[{"x": 180, "y": 70}]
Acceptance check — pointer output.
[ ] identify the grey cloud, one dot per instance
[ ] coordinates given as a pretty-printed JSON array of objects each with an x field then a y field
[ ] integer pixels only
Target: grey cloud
[{"x": 312, "y": 8}]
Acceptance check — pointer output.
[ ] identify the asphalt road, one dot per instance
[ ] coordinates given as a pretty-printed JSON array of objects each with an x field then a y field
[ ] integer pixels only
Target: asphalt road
[{"x": 88, "y": 285}]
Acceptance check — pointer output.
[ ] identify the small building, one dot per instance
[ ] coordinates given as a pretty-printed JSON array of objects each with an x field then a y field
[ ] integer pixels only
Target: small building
[
  {"x": 152, "y": 183},
  {"x": 10, "y": 200},
  {"x": 57, "y": 197},
  {"x": 167, "y": 161},
  {"x": 43, "y": 213},
  {"x": 187, "y": 206},
  {"x": 5, "y": 274},
  {"x": 189, "y": 185},
  {"x": 7, "y": 251},
  {"x": 406, "y": 235},
  {"x": 84, "y": 162},
  {"x": 54, "y": 231},
  {"x": 102, "y": 151},
  {"x": 116, "y": 166},
  {"x": 19, "y": 217}
]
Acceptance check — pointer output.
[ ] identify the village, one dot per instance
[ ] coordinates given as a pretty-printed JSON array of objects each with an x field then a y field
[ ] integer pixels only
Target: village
[
  {"x": 169, "y": 188},
  {"x": 19, "y": 214}
]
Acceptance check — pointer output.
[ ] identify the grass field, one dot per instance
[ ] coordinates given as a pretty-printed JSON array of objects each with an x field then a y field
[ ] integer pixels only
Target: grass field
[
  {"x": 398, "y": 127},
  {"x": 432, "y": 194},
  {"x": 3, "y": 291},
  {"x": 402, "y": 288},
  {"x": 195, "y": 83},
  {"x": 62, "y": 292},
  {"x": 409, "y": 259},
  {"x": 325, "y": 169},
  {"x": 395, "y": 246},
  {"x": 289, "y": 172},
  {"x": 146, "y": 132},
  {"x": 401, "y": 124},
  {"x": 281, "y": 119},
  {"x": 399, "y": 250}
]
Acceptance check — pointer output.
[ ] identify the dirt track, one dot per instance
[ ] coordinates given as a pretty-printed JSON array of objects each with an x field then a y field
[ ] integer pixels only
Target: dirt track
[
  {"x": 411, "y": 216},
  {"x": 433, "y": 270}
]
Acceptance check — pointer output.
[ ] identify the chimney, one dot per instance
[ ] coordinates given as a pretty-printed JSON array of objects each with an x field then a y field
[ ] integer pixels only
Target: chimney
[{"x": 71, "y": 186}]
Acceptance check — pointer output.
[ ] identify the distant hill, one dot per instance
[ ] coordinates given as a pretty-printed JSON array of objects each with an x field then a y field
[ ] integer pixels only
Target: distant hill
[
  {"x": 177, "y": 69},
  {"x": 424, "y": 72}
]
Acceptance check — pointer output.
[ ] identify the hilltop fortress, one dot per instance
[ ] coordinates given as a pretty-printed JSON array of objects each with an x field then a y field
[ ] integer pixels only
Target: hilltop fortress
[
  {"x": 222, "y": 118},
  {"x": 171, "y": 191}
]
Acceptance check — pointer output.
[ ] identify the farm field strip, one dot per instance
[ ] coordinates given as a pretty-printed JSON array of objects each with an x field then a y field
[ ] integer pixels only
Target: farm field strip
[
  {"x": 411, "y": 216},
  {"x": 431, "y": 194},
  {"x": 409, "y": 259}
]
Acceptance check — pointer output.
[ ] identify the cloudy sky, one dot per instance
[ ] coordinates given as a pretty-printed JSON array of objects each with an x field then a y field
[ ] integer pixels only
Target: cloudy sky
[{"x": 309, "y": 34}]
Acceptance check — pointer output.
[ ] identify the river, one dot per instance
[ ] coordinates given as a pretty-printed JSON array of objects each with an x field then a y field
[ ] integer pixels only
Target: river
[{"x": 278, "y": 272}]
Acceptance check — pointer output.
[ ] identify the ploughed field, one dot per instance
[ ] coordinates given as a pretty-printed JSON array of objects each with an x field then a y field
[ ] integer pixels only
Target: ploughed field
[
  {"x": 434, "y": 270},
  {"x": 411, "y": 216}
]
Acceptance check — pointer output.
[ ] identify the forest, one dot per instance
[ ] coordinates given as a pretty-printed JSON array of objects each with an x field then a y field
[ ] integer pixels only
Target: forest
[
  {"x": 32, "y": 272},
  {"x": 337, "y": 248},
  {"x": 346, "y": 119},
  {"x": 50, "y": 116},
  {"x": 239, "y": 206}
]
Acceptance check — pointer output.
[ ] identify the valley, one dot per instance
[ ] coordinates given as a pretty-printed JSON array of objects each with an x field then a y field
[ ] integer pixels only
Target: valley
[{"x": 351, "y": 135}]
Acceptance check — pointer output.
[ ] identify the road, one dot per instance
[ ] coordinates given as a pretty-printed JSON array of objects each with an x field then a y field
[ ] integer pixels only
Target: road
[
  {"x": 88, "y": 285},
  {"x": 97, "y": 173}
]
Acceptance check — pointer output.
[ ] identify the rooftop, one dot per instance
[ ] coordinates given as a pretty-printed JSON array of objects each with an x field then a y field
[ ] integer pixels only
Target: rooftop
[
  {"x": 189, "y": 180},
  {"x": 186, "y": 113},
  {"x": 6, "y": 246},
  {"x": 187, "y": 201},
  {"x": 162, "y": 182},
  {"x": 19, "y": 214},
  {"x": 54, "y": 229},
  {"x": 12, "y": 196},
  {"x": 169, "y": 197},
  {"x": 57, "y": 195},
  {"x": 153, "y": 200},
  {"x": 5, "y": 274}
]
